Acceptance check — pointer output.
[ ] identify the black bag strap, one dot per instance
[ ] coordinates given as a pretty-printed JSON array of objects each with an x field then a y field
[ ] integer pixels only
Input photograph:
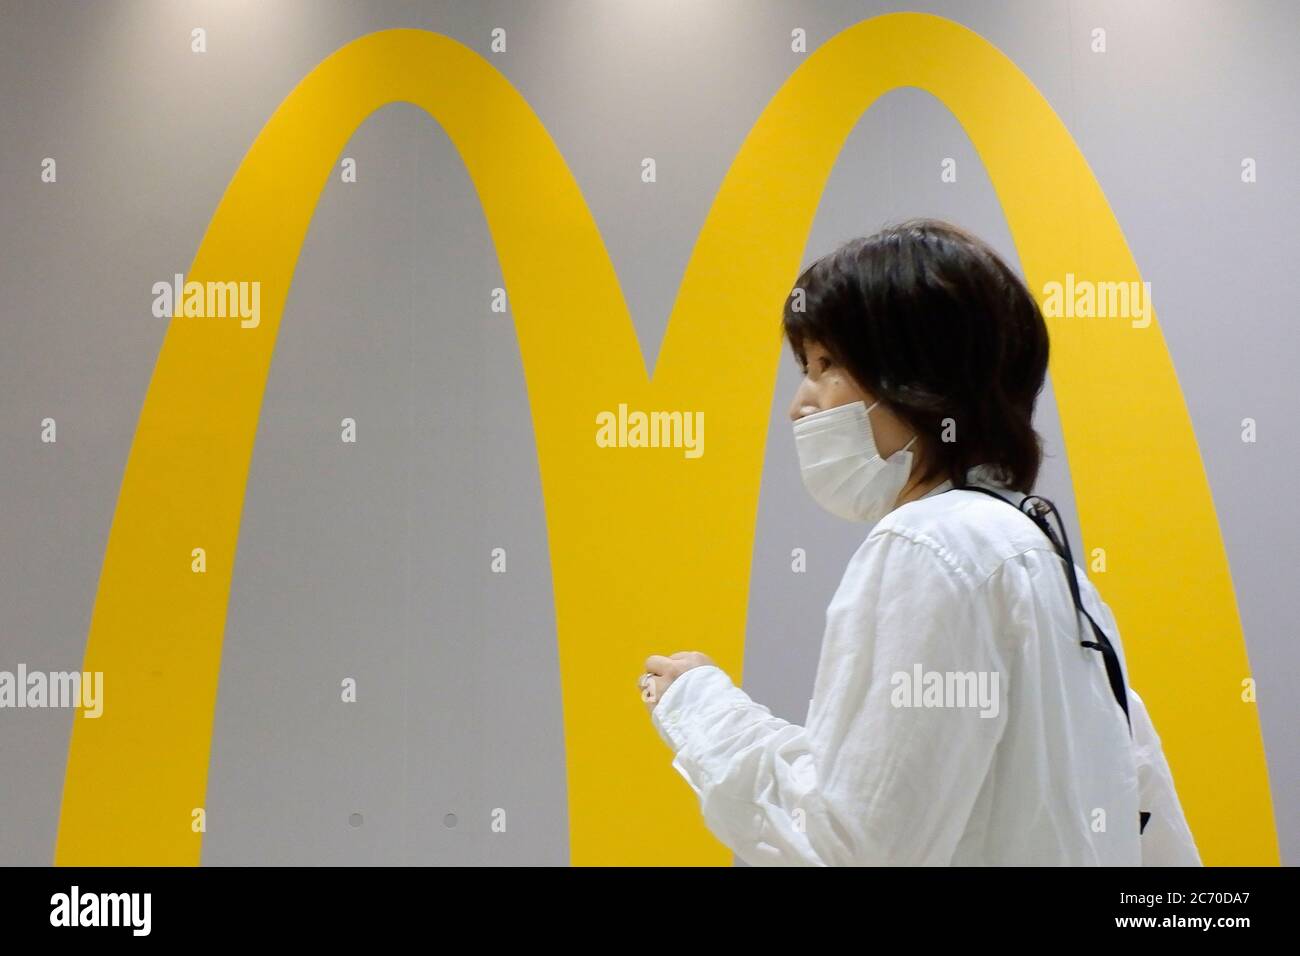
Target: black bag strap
[{"x": 1038, "y": 509}]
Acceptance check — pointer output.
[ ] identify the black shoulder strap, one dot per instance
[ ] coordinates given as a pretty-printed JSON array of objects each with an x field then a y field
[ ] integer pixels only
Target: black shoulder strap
[{"x": 1037, "y": 510}]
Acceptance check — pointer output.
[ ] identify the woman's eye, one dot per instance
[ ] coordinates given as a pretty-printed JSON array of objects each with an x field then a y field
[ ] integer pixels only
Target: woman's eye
[{"x": 823, "y": 362}]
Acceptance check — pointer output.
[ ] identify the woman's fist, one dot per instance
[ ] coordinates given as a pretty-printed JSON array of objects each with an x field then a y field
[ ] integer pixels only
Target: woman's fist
[{"x": 661, "y": 671}]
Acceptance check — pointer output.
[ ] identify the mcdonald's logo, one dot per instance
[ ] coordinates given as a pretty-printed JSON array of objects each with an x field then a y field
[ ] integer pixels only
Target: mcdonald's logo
[{"x": 622, "y": 528}]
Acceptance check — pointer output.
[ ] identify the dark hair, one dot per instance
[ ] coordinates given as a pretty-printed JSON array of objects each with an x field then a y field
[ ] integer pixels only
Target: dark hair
[{"x": 931, "y": 321}]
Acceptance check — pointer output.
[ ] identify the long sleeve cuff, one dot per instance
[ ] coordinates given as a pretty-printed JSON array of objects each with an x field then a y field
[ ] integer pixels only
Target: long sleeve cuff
[{"x": 700, "y": 711}]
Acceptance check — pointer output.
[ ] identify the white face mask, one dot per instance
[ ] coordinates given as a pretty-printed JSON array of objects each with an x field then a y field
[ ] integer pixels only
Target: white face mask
[{"x": 841, "y": 467}]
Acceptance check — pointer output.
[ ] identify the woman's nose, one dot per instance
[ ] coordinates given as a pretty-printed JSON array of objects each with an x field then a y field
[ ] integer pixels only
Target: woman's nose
[
  {"x": 801, "y": 406},
  {"x": 805, "y": 400}
]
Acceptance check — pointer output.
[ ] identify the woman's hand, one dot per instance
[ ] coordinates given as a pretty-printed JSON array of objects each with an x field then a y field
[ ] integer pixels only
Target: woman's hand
[{"x": 661, "y": 671}]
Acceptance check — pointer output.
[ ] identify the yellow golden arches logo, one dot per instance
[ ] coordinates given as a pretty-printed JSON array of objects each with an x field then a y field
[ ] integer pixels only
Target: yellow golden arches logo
[{"x": 640, "y": 549}]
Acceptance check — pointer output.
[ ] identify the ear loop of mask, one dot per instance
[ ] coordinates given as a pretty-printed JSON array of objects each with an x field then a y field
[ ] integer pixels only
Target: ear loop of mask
[{"x": 910, "y": 442}]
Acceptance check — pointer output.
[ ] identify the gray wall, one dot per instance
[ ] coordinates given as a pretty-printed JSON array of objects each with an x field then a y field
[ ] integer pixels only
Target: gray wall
[{"x": 368, "y": 564}]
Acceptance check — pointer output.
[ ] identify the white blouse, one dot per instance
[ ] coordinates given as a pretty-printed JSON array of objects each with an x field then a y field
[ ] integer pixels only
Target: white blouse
[{"x": 955, "y": 719}]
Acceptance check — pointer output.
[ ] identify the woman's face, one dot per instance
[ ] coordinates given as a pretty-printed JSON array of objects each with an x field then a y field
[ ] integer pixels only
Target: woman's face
[{"x": 828, "y": 385}]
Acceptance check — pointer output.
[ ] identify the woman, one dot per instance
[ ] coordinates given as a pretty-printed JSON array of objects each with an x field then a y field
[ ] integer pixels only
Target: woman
[{"x": 963, "y": 713}]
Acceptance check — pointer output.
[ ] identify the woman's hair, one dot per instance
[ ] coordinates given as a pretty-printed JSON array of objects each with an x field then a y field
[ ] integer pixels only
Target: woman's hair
[{"x": 932, "y": 322}]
